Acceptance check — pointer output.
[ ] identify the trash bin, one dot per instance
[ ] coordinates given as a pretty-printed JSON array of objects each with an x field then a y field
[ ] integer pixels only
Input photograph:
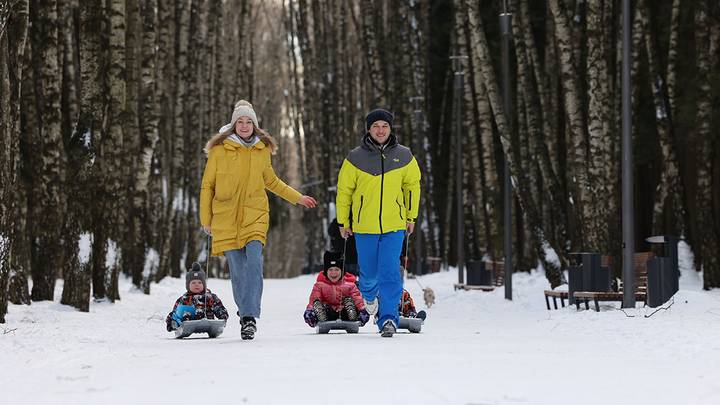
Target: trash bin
[
  {"x": 575, "y": 282},
  {"x": 587, "y": 274},
  {"x": 663, "y": 271},
  {"x": 477, "y": 274}
]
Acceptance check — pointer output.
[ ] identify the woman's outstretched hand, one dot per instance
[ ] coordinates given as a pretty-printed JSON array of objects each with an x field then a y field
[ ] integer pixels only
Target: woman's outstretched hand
[{"x": 307, "y": 201}]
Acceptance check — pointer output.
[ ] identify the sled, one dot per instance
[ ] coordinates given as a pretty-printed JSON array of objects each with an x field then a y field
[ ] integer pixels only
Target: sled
[
  {"x": 414, "y": 325},
  {"x": 213, "y": 327},
  {"x": 347, "y": 326}
]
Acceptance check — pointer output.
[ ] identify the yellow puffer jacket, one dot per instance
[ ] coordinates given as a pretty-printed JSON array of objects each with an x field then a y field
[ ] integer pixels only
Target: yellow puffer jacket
[
  {"x": 380, "y": 188},
  {"x": 233, "y": 201}
]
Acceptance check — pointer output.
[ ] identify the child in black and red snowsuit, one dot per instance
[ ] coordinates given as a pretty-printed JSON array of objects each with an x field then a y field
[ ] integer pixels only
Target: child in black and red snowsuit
[{"x": 197, "y": 303}]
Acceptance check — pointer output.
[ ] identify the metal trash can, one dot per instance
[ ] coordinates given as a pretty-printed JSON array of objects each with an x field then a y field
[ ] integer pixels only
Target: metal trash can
[
  {"x": 663, "y": 271},
  {"x": 477, "y": 274}
]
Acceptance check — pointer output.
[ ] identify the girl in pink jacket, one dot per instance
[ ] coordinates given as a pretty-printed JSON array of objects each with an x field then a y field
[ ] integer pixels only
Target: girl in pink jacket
[{"x": 333, "y": 296}]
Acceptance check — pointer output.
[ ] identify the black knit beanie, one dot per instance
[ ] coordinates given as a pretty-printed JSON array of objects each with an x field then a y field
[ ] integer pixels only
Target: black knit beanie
[
  {"x": 332, "y": 259},
  {"x": 378, "y": 114}
]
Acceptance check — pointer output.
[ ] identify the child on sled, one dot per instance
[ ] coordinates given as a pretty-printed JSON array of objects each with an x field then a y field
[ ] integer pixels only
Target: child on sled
[
  {"x": 407, "y": 305},
  {"x": 198, "y": 302},
  {"x": 335, "y": 295}
]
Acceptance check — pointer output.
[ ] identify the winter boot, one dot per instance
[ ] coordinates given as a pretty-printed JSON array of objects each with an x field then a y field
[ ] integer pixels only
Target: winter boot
[
  {"x": 350, "y": 310},
  {"x": 371, "y": 306},
  {"x": 421, "y": 315},
  {"x": 247, "y": 328},
  {"x": 320, "y": 312},
  {"x": 388, "y": 329}
]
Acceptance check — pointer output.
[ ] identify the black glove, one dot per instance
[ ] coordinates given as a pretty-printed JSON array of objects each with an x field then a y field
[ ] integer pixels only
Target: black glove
[{"x": 171, "y": 325}]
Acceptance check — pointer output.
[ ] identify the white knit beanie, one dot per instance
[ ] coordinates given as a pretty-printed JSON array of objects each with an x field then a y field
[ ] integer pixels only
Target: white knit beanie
[{"x": 242, "y": 109}]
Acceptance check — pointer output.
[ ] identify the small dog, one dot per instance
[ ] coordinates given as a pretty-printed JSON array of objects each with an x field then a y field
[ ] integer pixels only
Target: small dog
[{"x": 429, "y": 296}]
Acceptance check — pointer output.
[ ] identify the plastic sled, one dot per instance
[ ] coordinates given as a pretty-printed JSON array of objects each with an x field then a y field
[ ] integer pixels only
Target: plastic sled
[
  {"x": 347, "y": 326},
  {"x": 213, "y": 327},
  {"x": 414, "y": 325}
]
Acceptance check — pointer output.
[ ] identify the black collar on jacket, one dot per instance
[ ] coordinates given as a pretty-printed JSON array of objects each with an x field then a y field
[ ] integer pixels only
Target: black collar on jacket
[{"x": 369, "y": 143}]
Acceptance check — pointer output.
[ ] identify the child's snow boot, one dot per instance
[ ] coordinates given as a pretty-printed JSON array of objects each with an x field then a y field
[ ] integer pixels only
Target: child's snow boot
[
  {"x": 320, "y": 311},
  {"x": 350, "y": 310}
]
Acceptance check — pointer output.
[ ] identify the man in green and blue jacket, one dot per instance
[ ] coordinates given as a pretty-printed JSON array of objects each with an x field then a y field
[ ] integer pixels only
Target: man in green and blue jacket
[{"x": 379, "y": 188}]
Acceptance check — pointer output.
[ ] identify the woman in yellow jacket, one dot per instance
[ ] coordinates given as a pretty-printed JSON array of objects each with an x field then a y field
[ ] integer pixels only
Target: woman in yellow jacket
[
  {"x": 234, "y": 206},
  {"x": 378, "y": 195}
]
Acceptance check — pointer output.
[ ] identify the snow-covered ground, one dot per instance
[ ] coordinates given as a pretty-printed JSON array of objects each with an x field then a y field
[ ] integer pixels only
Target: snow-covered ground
[{"x": 475, "y": 348}]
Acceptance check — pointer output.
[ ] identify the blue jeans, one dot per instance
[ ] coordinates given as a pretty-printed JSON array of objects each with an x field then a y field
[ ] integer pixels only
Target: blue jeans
[
  {"x": 246, "y": 274},
  {"x": 379, "y": 259}
]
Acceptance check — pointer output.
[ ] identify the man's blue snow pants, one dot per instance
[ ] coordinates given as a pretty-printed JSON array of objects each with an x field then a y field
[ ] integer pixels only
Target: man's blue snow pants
[{"x": 379, "y": 260}]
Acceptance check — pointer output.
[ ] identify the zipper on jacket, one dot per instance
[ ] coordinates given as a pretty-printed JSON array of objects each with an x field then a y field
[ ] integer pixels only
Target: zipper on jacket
[
  {"x": 399, "y": 208},
  {"x": 410, "y": 201},
  {"x": 382, "y": 182},
  {"x": 360, "y": 209}
]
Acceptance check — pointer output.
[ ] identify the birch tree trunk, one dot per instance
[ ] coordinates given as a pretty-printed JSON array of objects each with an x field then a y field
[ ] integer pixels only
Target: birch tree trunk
[
  {"x": 167, "y": 78},
  {"x": 137, "y": 248},
  {"x": 20, "y": 260},
  {"x": 473, "y": 168},
  {"x": 112, "y": 156},
  {"x": 671, "y": 73},
  {"x": 11, "y": 60},
  {"x": 595, "y": 215},
  {"x": 81, "y": 151},
  {"x": 576, "y": 148},
  {"x": 49, "y": 176}
]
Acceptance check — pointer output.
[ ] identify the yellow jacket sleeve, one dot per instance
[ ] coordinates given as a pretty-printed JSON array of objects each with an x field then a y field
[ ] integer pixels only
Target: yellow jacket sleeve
[
  {"x": 278, "y": 187},
  {"x": 411, "y": 190},
  {"x": 347, "y": 180},
  {"x": 207, "y": 189}
]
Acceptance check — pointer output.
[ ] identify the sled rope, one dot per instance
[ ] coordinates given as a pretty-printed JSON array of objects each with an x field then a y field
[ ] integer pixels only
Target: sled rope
[
  {"x": 344, "y": 249},
  {"x": 207, "y": 262}
]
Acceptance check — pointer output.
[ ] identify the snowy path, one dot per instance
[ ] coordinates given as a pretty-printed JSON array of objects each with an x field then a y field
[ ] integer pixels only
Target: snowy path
[{"x": 475, "y": 348}]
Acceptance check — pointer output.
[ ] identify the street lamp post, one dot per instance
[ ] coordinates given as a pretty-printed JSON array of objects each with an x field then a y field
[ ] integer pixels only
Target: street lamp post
[
  {"x": 506, "y": 32},
  {"x": 457, "y": 133},
  {"x": 628, "y": 212}
]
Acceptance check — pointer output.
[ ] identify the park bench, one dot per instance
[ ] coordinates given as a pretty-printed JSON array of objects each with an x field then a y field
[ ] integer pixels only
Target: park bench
[
  {"x": 640, "y": 260},
  {"x": 555, "y": 294}
]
